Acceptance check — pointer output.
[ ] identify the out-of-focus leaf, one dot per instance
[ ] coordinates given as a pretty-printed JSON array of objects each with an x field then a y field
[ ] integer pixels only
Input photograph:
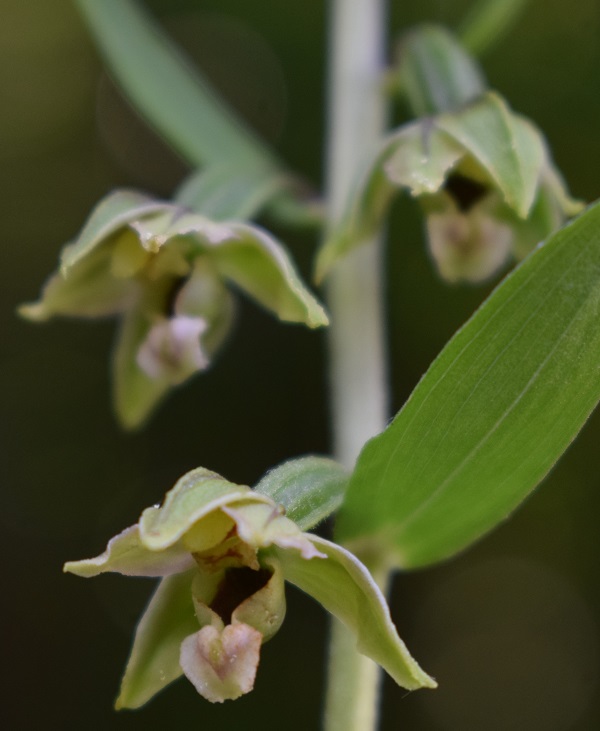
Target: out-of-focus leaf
[
  {"x": 166, "y": 90},
  {"x": 435, "y": 72},
  {"x": 309, "y": 488},
  {"x": 492, "y": 415},
  {"x": 488, "y": 22},
  {"x": 227, "y": 191}
]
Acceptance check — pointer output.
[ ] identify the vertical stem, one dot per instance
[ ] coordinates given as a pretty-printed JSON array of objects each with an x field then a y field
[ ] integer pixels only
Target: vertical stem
[
  {"x": 358, "y": 378},
  {"x": 356, "y": 122}
]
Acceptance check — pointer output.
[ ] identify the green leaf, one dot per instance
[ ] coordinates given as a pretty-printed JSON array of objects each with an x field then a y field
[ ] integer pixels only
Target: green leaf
[
  {"x": 227, "y": 191},
  {"x": 436, "y": 74},
  {"x": 309, "y": 488},
  {"x": 345, "y": 588},
  {"x": 193, "y": 497},
  {"x": 507, "y": 146},
  {"x": 125, "y": 554},
  {"x": 492, "y": 415},
  {"x": 260, "y": 266},
  {"x": 488, "y": 22},
  {"x": 167, "y": 90},
  {"x": 154, "y": 660}
]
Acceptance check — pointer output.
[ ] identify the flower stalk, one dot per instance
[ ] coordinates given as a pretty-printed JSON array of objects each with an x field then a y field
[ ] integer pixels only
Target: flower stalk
[{"x": 358, "y": 378}]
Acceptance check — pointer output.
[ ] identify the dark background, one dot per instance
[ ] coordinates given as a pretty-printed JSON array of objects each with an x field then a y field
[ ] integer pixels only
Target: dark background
[{"x": 509, "y": 629}]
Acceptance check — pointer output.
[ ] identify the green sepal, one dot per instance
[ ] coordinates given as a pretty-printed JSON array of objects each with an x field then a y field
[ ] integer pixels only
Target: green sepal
[
  {"x": 506, "y": 146},
  {"x": 126, "y": 554},
  {"x": 89, "y": 290},
  {"x": 154, "y": 660},
  {"x": 345, "y": 588},
  {"x": 135, "y": 394},
  {"x": 257, "y": 264},
  {"x": 113, "y": 212},
  {"x": 193, "y": 497},
  {"x": 309, "y": 488},
  {"x": 435, "y": 73},
  {"x": 492, "y": 415}
]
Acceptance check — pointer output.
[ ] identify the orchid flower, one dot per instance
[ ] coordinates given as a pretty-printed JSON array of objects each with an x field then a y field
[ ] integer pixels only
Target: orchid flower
[
  {"x": 165, "y": 271},
  {"x": 223, "y": 552}
]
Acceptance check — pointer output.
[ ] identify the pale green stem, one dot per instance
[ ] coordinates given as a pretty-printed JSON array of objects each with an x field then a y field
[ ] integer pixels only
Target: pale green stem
[{"x": 358, "y": 377}]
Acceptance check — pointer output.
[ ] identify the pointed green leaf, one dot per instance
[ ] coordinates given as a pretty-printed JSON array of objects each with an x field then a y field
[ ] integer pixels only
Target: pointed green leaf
[
  {"x": 125, "y": 554},
  {"x": 436, "y": 73},
  {"x": 508, "y": 147},
  {"x": 488, "y": 21},
  {"x": 167, "y": 90},
  {"x": 346, "y": 589},
  {"x": 309, "y": 488},
  {"x": 261, "y": 267},
  {"x": 154, "y": 660},
  {"x": 228, "y": 191},
  {"x": 494, "y": 412},
  {"x": 193, "y": 497}
]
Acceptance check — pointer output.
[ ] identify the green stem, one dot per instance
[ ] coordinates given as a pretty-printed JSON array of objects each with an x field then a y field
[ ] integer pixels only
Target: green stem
[
  {"x": 358, "y": 377},
  {"x": 487, "y": 22}
]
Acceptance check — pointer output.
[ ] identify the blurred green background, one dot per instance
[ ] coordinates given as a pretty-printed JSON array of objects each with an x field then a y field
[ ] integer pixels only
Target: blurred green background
[{"x": 509, "y": 629}]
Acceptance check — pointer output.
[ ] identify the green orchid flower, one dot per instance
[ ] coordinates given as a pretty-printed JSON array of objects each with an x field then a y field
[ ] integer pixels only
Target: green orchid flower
[
  {"x": 165, "y": 271},
  {"x": 486, "y": 183},
  {"x": 223, "y": 552}
]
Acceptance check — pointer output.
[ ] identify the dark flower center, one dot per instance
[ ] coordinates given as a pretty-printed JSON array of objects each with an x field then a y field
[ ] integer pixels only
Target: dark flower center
[
  {"x": 464, "y": 191},
  {"x": 237, "y": 585}
]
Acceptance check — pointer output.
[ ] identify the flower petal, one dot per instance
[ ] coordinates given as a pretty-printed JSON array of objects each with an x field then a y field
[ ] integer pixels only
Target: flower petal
[
  {"x": 421, "y": 157},
  {"x": 345, "y": 588},
  {"x": 135, "y": 393},
  {"x": 265, "y": 525},
  {"x": 261, "y": 267},
  {"x": 125, "y": 554},
  {"x": 204, "y": 295},
  {"x": 172, "y": 350},
  {"x": 154, "y": 659},
  {"x": 112, "y": 213},
  {"x": 194, "y": 496},
  {"x": 507, "y": 146},
  {"x": 222, "y": 664}
]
